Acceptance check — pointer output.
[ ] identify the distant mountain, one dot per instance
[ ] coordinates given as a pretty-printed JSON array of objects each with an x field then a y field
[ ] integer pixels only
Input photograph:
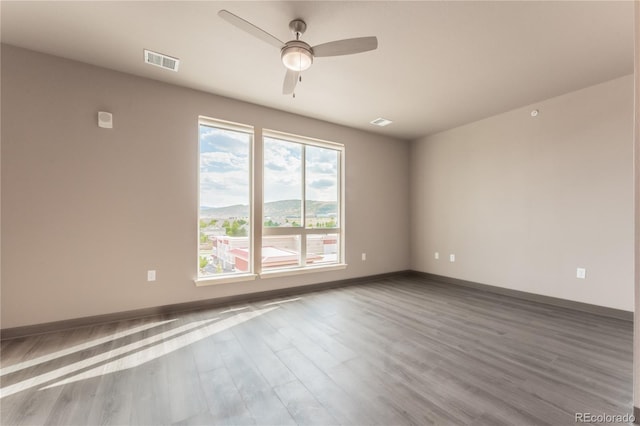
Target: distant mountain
[
  {"x": 322, "y": 208},
  {"x": 284, "y": 208},
  {"x": 238, "y": 210}
]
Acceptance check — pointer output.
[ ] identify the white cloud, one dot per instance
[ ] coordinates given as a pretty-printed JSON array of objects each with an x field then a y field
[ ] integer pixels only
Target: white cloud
[
  {"x": 282, "y": 170},
  {"x": 224, "y": 167},
  {"x": 221, "y": 189}
]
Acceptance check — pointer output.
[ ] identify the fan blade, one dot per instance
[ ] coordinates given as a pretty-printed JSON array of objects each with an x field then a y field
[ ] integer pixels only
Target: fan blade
[
  {"x": 290, "y": 81},
  {"x": 250, "y": 28},
  {"x": 345, "y": 47}
]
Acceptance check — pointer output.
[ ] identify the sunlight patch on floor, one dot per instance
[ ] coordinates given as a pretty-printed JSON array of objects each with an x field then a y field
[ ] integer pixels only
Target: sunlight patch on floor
[
  {"x": 88, "y": 362},
  {"x": 149, "y": 354},
  {"x": 280, "y": 302},
  {"x": 77, "y": 348}
]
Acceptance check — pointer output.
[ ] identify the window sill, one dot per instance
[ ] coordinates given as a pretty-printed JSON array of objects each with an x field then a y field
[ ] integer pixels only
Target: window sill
[
  {"x": 306, "y": 270},
  {"x": 226, "y": 279},
  {"x": 202, "y": 282}
]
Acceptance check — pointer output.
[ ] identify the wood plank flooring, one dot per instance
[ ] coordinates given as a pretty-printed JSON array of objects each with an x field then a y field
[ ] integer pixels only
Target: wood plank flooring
[{"x": 398, "y": 351}]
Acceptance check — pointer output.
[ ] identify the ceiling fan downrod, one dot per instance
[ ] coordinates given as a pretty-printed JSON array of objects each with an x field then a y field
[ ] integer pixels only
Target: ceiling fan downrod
[{"x": 297, "y": 27}]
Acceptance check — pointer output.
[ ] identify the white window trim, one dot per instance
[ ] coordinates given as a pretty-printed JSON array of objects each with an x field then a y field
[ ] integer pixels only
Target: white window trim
[
  {"x": 303, "y": 230},
  {"x": 224, "y": 279},
  {"x": 268, "y": 133},
  {"x": 243, "y": 128},
  {"x": 275, "y": 273},
  {"x": 257, "y": 230}
]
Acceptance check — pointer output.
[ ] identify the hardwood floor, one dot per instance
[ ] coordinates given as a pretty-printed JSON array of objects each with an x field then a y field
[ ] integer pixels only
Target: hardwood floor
[{"x": 391, "y": 352}]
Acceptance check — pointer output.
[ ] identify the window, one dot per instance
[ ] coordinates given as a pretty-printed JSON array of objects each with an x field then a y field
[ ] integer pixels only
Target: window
[
  {"x": 302, "y": 205},
  {"x": 300, "y": 184},
  {"x": 225, "y": 199}
]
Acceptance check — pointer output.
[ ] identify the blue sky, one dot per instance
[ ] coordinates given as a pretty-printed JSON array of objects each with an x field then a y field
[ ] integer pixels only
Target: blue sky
[{"x": 224, "y": 169}]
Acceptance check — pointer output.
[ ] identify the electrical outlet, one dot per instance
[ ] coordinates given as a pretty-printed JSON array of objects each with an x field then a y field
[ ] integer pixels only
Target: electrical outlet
[
  {"x": 364, "y": 256},
  {"x": 581, "y": 273},
  {"x": 151, "y": 275},
  {"x": 436, "y": 255},
  {"x": 452, "y": 258}
]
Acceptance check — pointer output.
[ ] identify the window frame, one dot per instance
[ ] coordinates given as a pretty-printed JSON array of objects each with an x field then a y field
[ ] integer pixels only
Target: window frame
[
  {"x": 303, "y": 230},
  {"x": 257, "y": 230},
  {"x": 230, "y": 277}
]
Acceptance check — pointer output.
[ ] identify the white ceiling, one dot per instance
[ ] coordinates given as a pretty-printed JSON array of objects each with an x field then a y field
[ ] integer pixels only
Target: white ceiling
[{"x": 438, "y": 64}]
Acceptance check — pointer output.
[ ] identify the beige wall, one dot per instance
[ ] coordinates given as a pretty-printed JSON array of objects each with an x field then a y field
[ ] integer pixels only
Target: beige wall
[
  {"x": 87, "y": 211},
  {"x": 523, "y": 202}
]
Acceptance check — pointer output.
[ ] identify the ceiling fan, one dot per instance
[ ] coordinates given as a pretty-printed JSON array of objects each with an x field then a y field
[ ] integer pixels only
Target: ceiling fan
[{"x": 297, "y": 55}]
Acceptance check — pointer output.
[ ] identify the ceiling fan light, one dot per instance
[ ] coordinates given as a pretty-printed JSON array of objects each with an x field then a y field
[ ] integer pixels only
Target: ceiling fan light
[{"x": 296, "y": 58}]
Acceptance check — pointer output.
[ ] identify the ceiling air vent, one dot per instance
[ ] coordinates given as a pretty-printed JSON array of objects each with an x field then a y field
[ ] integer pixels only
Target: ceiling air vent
[
  {"x": 160, "y": 60},
  {"x": 381, "y": 122}
]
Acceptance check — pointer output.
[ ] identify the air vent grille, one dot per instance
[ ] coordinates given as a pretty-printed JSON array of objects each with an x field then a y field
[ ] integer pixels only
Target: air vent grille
[
  {"x": 381, "y": 122},
  {"x": 161, "y": 60}
]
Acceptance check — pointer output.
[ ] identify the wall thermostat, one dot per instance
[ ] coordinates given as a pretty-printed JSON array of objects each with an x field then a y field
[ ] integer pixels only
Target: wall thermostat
[{"x": 105, "y": 120}]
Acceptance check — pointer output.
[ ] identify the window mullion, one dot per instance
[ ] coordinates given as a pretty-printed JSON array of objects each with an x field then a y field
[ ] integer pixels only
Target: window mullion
[
  {"x": 303, "y": 236},
  {"x": 257, "y": 200},
  {"x": 341, "y": 207}
]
